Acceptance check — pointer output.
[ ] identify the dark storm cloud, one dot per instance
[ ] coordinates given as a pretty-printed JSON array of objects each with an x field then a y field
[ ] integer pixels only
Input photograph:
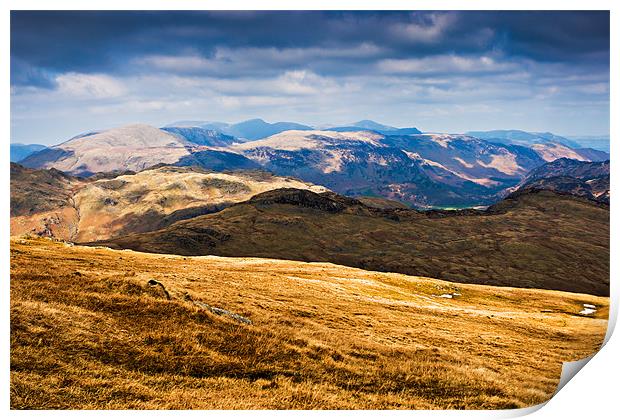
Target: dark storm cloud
[{"x": 89, "y": 42}]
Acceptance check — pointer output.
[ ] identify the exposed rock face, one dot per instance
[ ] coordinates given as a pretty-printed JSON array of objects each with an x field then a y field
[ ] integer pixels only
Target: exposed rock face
[{"x": 35, "y": 190}]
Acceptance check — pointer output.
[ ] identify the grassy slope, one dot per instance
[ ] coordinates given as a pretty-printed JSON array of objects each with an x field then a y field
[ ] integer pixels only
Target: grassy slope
[
  {"x": 87, "y": 333},
  {"x": 541, "y": 240}
]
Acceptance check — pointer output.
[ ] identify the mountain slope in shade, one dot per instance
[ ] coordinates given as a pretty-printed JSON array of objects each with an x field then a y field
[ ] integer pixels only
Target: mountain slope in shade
[
  {"x": 218, "y": 160},
  {"x": 254, "y": 129},
  {"x": 541, "y": 240},
  {"x": 148, "y": 200},
  {"x": 425, "y": 170},
  {"x": 523, "y": 138},
  {"x": 585, "y": 179},
  {"x": 132, "y": 147},
  {"x": 572, "y": 168},
  {"x": 34, "y": 190},
  {"x": 593, "y": 155},
  {"x": 468, "y": 158},
  {"x": 201, "y": 136},
  {"x": 373, "y": 125},
  {"x": 21, "y": 151}
]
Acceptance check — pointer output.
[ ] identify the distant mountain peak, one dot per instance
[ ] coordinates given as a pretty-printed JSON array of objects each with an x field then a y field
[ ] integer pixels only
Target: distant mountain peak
[{"x": 373, "y": 125}]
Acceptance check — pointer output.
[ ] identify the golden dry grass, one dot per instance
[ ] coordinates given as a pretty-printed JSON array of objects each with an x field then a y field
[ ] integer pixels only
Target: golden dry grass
[{"x": 86, "y": 332}]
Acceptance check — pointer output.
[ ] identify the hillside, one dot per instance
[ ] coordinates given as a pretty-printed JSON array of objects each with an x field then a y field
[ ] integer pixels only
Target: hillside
[
  {"x": 253, "y": 129},
  {"x": 147, "y": 200},
  {"x": 377, "y": 127},
  {"x": 88, "y": 332},
  {"x": 590, "y": 180},
  {"x": 540, "y": 240}
]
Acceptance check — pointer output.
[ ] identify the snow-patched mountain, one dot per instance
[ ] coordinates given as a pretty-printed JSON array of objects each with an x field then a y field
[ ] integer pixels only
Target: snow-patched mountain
[
  {"x": 548, "y": 145},
  {"x": 454, "y": 158},
  {"x": 352, "y": 163},
  {"x": 423, "y": 170},
  {"x": 132, "y": 147}
]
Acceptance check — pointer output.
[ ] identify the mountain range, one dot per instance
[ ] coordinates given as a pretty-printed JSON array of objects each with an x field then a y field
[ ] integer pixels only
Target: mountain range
[{"x": 422, "y": 170}]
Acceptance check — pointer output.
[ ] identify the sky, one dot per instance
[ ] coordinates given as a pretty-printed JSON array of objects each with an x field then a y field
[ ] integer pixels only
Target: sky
[{"x": 440, "y": 71}]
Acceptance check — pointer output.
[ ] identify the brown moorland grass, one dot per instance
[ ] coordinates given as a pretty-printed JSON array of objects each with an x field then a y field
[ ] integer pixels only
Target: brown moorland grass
[{"x": 88, "y": 332}]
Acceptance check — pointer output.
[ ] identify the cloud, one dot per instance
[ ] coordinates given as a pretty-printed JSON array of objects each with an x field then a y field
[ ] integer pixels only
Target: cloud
[
  {"x": 445, "y": 64},
  {"x": 424, "y": 28},
  {"x": 237, "y": 62},
  {"x": 95, "y": 86}
]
